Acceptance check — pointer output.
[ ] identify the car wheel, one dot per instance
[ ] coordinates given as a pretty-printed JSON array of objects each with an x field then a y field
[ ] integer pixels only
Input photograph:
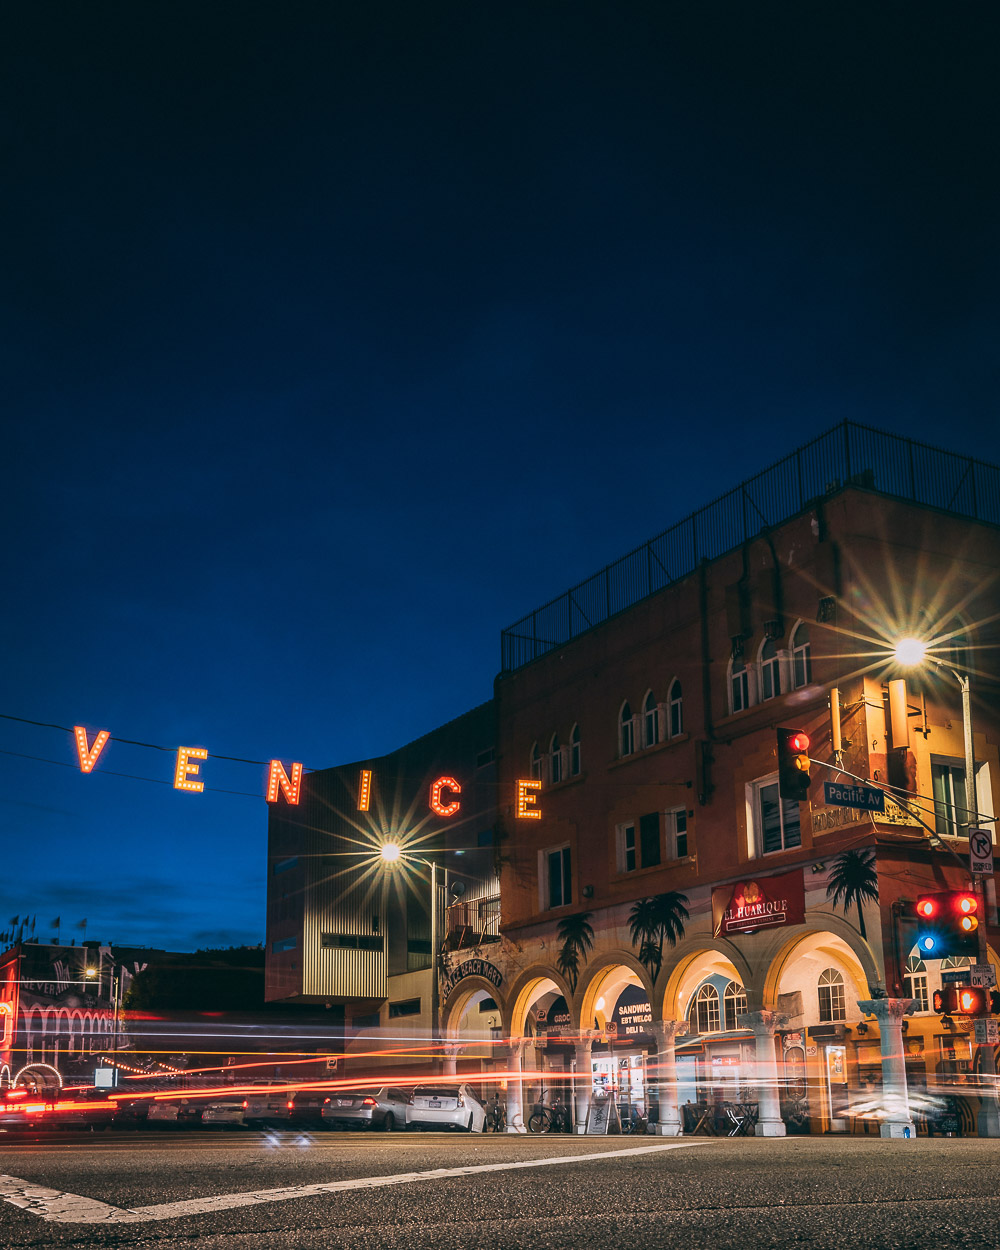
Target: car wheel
[{"x": 389, "y": 1123}]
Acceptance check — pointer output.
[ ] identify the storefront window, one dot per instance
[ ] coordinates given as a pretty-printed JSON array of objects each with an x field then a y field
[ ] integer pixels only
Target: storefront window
[{"x": 706, "y": 1010}]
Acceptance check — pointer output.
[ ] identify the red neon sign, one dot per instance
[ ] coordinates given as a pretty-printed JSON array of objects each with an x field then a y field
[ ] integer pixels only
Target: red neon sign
[
  {"x": 277, "y": 777},
  {"x": 437, "y": 806},
  {"x": 88, "y": 754}
]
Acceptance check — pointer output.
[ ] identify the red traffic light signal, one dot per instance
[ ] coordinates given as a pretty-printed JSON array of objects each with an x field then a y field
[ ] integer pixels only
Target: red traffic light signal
[
  {"x": 962, "y": 1000},
  {"x": 947, "y": 924},
  {"x": 793, "y": 764}
]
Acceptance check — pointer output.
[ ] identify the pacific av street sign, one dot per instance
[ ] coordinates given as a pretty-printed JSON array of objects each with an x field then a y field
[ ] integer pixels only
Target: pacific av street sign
[{"x": 867, "y": 798}]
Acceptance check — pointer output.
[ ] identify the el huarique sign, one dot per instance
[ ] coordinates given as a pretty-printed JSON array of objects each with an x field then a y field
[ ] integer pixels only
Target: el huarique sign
[{"x": 760, "y": 903}]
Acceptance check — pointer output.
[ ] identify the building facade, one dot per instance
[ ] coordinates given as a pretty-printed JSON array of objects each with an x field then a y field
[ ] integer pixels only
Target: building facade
[{"x": 672, "y": 928}]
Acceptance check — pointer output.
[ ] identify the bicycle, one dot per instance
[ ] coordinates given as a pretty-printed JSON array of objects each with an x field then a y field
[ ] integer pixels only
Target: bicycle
[
  {"x": 554, "y": 1119},
  {"x": 496, "y": 1116}
]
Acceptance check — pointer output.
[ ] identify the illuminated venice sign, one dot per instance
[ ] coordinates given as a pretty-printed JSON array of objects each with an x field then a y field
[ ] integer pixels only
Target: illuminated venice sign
[{"x": 443, "y": 798}]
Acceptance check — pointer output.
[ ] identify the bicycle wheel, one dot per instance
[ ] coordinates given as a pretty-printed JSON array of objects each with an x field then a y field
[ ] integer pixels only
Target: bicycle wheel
[{"x": 540, "y": 1122}]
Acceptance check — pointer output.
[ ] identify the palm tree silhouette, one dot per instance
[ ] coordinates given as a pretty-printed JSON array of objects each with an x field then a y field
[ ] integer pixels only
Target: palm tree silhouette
[
  {"x": 652, "y": 921},
  {"x": 853, "y": 879},
  {"x": 577, "y": 939}
]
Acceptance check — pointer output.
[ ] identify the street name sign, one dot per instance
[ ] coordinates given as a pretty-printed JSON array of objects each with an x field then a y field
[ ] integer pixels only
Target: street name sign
[
  {"x": 867, "y": 798},
  {"x": 981, "y": 852},
  {"x": 982, "y": 976},
  {"x": 987, "y": 1032},
  {"x": 960, "y": 977}
]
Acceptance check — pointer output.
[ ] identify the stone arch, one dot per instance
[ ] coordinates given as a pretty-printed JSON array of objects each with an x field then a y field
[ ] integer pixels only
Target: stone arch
[
  {"x": 461, "y": 996},
  {"x": 596, "y": 977},
  {"x": 782, "y": 944},
  {"x": 527, "y": 989},
  {"x": 680, "y": 967}
]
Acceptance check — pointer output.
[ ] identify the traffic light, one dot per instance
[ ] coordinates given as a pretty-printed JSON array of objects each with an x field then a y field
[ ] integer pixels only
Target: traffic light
[
  {"x": 947, "y": 924},
  {"x": 793, "y": 764},
  {"x": 962, "y": 1000}
]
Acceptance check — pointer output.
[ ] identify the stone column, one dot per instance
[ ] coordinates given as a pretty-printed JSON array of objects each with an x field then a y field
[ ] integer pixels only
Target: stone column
[
  {"x": 584, "y": 1081},
  {"x": 663, "y": 1082},
  {"x": 451, "y": 1060},
  {"x": 764, "y": 1023},
  {"x": 515, "y": 1095},
  {"x": 890, "y": 1012}
]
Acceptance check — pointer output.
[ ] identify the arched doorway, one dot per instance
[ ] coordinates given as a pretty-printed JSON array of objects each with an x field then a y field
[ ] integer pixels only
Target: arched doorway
[{"x": 617, "y": 1007}]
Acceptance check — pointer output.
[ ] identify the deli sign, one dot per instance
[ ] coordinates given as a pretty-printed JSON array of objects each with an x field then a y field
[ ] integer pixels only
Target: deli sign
[{"x": 759, "y": 903}]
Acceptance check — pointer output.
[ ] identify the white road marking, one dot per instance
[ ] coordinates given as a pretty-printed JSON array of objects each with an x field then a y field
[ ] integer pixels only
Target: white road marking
[{"x": 64, "y": 1208}]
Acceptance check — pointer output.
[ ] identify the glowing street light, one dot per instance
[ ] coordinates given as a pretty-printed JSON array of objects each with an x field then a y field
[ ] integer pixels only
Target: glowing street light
[
  {"x": 390, "y": 852},
  {"x": 910, "y": 652}
]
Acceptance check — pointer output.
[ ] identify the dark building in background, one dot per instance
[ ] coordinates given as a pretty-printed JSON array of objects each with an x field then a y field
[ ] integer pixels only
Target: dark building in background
[{"x": 350, "y": 932}]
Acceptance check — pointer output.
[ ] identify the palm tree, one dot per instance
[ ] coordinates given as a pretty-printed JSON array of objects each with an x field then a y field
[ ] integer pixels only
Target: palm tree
[
  {"x": 577, "y": 937},
  {"x": 853, "y": 879},
  {"x": 652, "y": 921}
]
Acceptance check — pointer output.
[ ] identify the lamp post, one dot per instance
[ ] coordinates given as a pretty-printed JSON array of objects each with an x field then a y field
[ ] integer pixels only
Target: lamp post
[
  {"x": 391, "y": 853},
  {"x": 911, "y": 652}
]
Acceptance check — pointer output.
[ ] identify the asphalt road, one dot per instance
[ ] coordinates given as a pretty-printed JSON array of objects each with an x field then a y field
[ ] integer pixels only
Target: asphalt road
[{"x": 362, "y": 1190}]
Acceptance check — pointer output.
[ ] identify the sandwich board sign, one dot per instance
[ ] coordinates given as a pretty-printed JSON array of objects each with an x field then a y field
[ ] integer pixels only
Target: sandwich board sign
[{"x": 602, "y": 1118}]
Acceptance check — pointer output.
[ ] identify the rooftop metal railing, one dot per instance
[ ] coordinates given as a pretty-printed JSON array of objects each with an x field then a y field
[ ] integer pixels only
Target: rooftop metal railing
[{"x": 847, "y": 455}]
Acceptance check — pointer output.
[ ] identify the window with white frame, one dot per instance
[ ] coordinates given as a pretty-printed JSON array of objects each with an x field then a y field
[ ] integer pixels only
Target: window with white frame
[
  {"x": 626, "y": 730},
  {"x": 916, "y": 982},
  {"x": 627, "y": 851},
  {"x": 774, "y": 820},
  {"x": 574, "y": 752},
  {"x": 801, "y": 658},
  {"x": 556, "y": 877},
  {"x": 948, "y": 788},
  {"x": 676, "y": 832},
  {"x": 770, "y": 670},
  {"x": 832, "y": 1004},
  {"x": 650, "y": 721},
  {"x": 536, "y": 762},
  {"x": 739, "y": 685},
  {"x": 734, "y": 1004},
  {"x": 675, "y": 705},
  {"x": 704, "y": 1016},
  {"x": 639, "y": 842},
  {"x": 555, "y": 760}
]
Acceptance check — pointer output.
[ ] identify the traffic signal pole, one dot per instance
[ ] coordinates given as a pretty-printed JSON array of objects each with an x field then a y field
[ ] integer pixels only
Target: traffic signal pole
[{"x": 989, "y": 1110}]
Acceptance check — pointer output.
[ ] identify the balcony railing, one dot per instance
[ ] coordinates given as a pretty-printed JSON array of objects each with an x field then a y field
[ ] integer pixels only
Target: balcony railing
[
  {"x": 473, "y": 923},
  {"x": 847, "y": 455}
]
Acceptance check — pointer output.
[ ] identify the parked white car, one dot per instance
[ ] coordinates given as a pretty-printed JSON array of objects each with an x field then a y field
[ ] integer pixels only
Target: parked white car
[
  {"x": 445, "y": 1106},
  {"x": 269, "y": 1105},
  {"x": 224, "y": 1113}
]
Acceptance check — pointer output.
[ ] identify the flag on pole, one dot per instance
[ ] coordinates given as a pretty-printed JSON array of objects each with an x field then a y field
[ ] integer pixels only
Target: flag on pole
[
  {"x": 81, "y": 924},
  {"x": 57, "y": 923},
  {"x": 14, "y": 921}
]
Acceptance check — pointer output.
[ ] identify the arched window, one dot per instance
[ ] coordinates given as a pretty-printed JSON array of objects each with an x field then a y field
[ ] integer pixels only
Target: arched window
[
  {"x": 555, "y": 760},
  {"x": 626, "y": 730},
  {"x": 651, "y": 721},
  {"x": 832, "y": 1006},
  {"x": 770, "y": 673},
  {"x": 675, "y": 703},
  {"x": 801, "y": 661},
  {"x": 916, "y": 982},
  {"x": 574, "y": 752},
  {"x": 705, "y": 1010},
  {"x": 734, "y": 1002},
  {"x": 739, "y": 685},
  {"x": 536, "y": 762}
]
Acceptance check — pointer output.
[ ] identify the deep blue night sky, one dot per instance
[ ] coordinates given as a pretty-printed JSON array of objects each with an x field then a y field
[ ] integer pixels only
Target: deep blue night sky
[{"x": 334, "y": 338}]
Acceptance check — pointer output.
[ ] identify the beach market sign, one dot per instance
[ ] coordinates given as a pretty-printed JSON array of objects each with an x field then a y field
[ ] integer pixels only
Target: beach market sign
[
  {"x": 442, "y": 800},
  {"x": 762, "y": 903}
]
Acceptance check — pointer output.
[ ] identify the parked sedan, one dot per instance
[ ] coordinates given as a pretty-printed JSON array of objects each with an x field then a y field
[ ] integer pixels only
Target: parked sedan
[
  {"x": 445, "y": 1106},
  {"x": 223, "y": 1113},
  {"x": 175, "y": 1113},
  {"x": 380, "y": 1108},
  {"x": 270, "y": 1105}
]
